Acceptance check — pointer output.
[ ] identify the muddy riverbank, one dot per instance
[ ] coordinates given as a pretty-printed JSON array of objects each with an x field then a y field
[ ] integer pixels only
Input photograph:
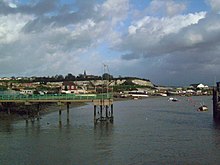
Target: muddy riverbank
[{"x": 19, "y": 111}]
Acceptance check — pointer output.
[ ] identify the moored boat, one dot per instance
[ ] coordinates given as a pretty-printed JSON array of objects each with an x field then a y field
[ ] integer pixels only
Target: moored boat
[
  {"x": 173, "y": 99},
  {"x": 203, "y": 108}
]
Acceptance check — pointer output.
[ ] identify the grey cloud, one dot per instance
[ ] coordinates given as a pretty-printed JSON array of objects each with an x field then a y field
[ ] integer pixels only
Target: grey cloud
[
  {"x": 51, "y": 13},
  {"x": 40, "y": 23},
  {"x": 188, "y": 55},
  {"x": 39, "y": 8},
  {"x": 131, "y": 56},
  {"x": 194, "y": 38},
  {"x": 199, "y": 37},
  {"x": 5, "y": 9}
]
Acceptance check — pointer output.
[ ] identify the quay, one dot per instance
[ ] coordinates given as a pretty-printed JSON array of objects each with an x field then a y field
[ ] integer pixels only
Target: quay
[
  {"x": 103, "y": 104},
  {"x": 216, "y": 102}
]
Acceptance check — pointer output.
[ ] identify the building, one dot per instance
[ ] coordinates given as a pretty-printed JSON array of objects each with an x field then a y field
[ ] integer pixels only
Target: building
[
  {"x": 27, "y": 92},
  {"x": 68, "y": 87},
  {"x": 199, "y": 86}
]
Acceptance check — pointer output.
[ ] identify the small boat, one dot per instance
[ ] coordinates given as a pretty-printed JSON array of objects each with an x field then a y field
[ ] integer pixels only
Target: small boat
[
  {"x": 163, "y": 94},
  {"x": 203, "y": 108},
  {"x": 173, "y": 99}
]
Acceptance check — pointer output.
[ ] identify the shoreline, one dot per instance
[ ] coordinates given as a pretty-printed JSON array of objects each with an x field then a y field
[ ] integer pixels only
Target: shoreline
[{"x": 19, "y": 112}]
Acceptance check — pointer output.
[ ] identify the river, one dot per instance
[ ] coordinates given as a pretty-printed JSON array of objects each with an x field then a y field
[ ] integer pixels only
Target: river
[{"x": 145, "y": 131}]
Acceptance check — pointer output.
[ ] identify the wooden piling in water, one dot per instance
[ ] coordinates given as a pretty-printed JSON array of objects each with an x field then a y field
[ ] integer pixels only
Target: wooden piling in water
[
  {"x": 101, "y": 112},
  {"x": 104, "y": 108},
  {"x": 216, "y": 102},
  {"x": 94, "y": 113},
  {"x": 111, "y": 119},
  {"x": 68, "y": 114},
  {"x": 60, "y": 113}
]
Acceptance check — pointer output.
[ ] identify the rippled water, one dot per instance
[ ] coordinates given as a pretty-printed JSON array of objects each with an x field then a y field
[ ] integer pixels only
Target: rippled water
[{"x": 147, "y": 131}]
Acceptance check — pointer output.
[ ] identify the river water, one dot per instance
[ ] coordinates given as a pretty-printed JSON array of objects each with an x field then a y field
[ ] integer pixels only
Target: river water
[{"x": 146, "y": 131}]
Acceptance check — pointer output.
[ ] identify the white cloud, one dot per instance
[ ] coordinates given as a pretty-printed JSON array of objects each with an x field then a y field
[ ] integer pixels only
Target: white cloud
[
  {"x": 145, "y": 35},
  {"x": 168, "y": 7},
  {"x": 11, "y": 3},
  {"x": 11, "y": 26},
  {"x": 115, "y": 10},
  {"x": 51, "y": 49}
]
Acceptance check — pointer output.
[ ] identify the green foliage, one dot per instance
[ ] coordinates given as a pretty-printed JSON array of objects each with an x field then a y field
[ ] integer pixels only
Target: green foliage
[{"x": 119, "y": 88}]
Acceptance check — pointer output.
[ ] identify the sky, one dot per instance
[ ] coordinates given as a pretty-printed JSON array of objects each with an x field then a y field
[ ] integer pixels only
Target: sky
[{"x": 170, "y": 42}]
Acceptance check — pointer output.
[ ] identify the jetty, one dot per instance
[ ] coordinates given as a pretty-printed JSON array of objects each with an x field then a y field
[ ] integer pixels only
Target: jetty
[{"x": 103, "y": 104}]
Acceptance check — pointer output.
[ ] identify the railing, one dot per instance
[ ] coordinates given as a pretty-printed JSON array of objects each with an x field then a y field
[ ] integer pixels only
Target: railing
[{"x": 56, "y": 97}]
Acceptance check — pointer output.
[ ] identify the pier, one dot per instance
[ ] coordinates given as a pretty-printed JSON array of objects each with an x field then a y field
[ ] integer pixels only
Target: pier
[
  {"x": 103, "y": 104},
  {"x": 216, "y": 102}
]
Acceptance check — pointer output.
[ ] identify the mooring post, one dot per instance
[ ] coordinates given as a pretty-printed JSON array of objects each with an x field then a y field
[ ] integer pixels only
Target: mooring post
[
  {"x": 214, "y": 102},
  {"x": 101, "y": 112},
  {"x": 60, "y": 122},
  {"x": 94, "y": 113},
  {"x": 106, "y": 111},
  {"x": 111, "y": 110},
  {"x": 112, "y": 113},
  {"x": 68, "y": 107}
]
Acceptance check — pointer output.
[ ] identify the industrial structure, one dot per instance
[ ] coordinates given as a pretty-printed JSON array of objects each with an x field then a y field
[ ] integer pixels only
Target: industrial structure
[
  {"x": 102, "y": 101},
  {"x": 216, "y": 102}
]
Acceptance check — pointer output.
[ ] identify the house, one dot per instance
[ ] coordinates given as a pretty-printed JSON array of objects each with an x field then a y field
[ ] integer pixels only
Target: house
[
  {"x": 27, "y": 91},
  {"x": 68, "y": 87}
]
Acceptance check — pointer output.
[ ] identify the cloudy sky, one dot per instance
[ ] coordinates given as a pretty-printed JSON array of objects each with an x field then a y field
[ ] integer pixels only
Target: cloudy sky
[{"x": 170, "y": 42}]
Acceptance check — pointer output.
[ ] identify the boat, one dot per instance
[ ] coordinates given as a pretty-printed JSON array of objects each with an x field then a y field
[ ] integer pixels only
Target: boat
[
  {"x": 163, "y": 94},
  {"x": 173, "y": 99},
  {"x": 202, "y": 108}
]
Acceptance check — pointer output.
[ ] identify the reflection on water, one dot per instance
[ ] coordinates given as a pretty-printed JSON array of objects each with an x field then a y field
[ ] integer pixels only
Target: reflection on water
[
  {"x": 148, "y": 131},
  {"x": 103, "y": 142},
  {"x": 6, "y": 126},
  {"x": 216, "y": 124}
]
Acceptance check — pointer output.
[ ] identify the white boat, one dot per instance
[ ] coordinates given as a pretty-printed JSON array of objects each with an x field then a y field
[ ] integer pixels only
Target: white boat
[
  {"x": 173, "y": 99},
  {"x": 203, "y": 108},
  {"x": 163, "y": 94}
]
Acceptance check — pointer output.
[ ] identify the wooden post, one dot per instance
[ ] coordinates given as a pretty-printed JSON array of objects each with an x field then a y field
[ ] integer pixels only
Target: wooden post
[
  {"x": 214, "y": 102},
  {"x": 94, "y": 113},
  {"x": 60, "y": 122},
  {"x": 68, "y": 114},
  {"x": 111, "y": 120},
  {"x": 111, "y": 110},
  {"x": 106, "y": 111},
  {"x": 101, "y": 112}
]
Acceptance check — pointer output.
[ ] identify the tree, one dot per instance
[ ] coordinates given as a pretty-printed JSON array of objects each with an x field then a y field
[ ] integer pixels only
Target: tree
[
  {"x": 107, "y": 76},
  {"x": 59, "y": 77},
  {"x": 69, "y": 76}
]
